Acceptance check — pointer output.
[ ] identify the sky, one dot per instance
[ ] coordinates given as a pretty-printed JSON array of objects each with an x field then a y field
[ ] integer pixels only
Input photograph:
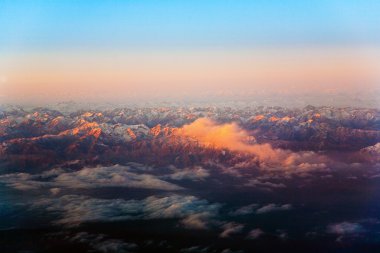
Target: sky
[{"x": 144, "y": 50}]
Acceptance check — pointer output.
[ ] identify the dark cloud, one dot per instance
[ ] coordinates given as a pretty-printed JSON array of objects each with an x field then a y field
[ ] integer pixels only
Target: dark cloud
[
  {"x": 345, "y": 228},
  {"x": 197, "y": 220},
  {"x": 101, "y": 243},
  {"x": 255, "y": 208},
  {"x": 230, "y": 229},
  {"x": 273, "y": 207},
  {"x": 245, "y": 210},
  {"x": 255, "y": 233},
  {"x": 264, "y": 184},
  {"x": 231, "y": 251},
  {"x": 195, "y": 249}
]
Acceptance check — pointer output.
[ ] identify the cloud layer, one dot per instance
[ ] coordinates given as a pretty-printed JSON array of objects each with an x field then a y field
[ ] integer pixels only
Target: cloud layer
[
  {"x": 114, "y": 176},
  {"x": 77, "y": 209}
]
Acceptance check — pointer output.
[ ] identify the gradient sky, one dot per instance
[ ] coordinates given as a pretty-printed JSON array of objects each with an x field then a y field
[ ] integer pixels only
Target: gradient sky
[{"x": 56, "y": 50}]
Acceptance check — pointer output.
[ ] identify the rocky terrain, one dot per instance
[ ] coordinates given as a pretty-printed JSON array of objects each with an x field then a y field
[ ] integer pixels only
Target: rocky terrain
[{"x": 41, "y": 137}]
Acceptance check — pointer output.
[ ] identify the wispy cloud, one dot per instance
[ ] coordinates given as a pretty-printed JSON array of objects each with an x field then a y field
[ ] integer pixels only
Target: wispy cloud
[
  {"x": 255, "y": 233},
  {"x": 230, "y": 229},
  {"x": 77, "y": 209},
  {"x": 345, "y": 228},
  {"x": 114, "y": 176},
  {"x": 255, "y": 208}
]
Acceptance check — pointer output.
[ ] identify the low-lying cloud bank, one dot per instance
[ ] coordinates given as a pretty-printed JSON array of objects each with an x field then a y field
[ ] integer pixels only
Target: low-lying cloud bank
[
  {"x": 77, "y": 209},
  {"x": 113, "y": 176},
  {"x": 119, "y": 176}
]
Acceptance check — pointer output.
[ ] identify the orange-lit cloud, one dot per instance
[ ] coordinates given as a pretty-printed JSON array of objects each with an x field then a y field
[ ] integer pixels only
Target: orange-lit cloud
[{"x": 231, "y": 136}]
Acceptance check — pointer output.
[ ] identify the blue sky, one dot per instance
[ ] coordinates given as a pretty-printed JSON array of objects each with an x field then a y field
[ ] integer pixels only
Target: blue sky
[
  {"x": 166, "y": 24},
  {"x": 142, "y": 49}
]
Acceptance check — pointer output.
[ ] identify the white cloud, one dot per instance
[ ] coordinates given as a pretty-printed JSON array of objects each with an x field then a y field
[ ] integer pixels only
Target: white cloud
[
  {"x": 23, "y": 181},
  {"x": 113, "y": 176},
  {"x": 195, "y": 174}
]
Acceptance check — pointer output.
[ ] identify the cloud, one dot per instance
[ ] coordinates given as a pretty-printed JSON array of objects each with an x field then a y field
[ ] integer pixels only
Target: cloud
[
  {"x": 273, "y": 207},
  {"x": 23, "y": 181},
  {"x": 231, "y": 251},
  {"x": 100, "y": 243},
  {"x": 196, "y": 173},
  {"x": 255, "y": 233},
  {"x": 245, "y": 210},
  {"x": 231, "y": 136},
  {"x": 371, "y": 153},
  {"x": 77, "y": 209},
  {"x": 55, "y": 191},
  {"x": 116, "y": 175},
  {"x": 113, "y": 176},
  {"x": 282, "y": 234},
  {"x": 196, "y": 221},
  {"x": 255, "y": 208},
  {"x": 113, "y": 245},
  {"x": 195, "y": 249},
  {"x": 264, "y": 185},
  {"x": 230, "y": 229},
  {"x": 345, "y": 228}
]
